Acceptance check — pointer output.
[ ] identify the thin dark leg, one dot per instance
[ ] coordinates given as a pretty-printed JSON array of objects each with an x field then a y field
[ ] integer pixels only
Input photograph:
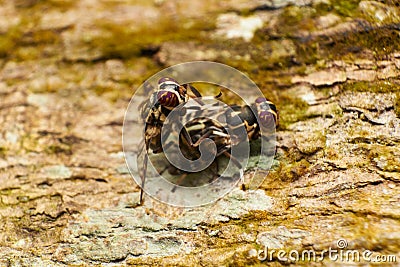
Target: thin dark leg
[
  {"x": 187, "y": 137},
  {"x": 235, "y": 161},
  {"x": 143, "y": 178},
  {"x": 215, "y": 174},
  {"x": 183, "y": 176}
]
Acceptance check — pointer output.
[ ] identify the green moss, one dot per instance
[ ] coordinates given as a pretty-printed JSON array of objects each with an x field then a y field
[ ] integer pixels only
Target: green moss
[
  {"x": 100, "y": 89},
  {"x": 111, "y": 93},
  {"x": 124, "y": 42},
  {"x": 46, "y": 37},
  {"x": 326, "y": 90},
  {"x": 323, "y": 9},
  {"x": 246, "y": 12},
  {"x": 291, "y": 109},
  {"x": 290, "y": 172},
  {"x": 126, "y": 83},
  {"x": 23, "y": 42},
  {"x": 3, "y": 151},
  {"x": 293, "y": 15},
  {"x": 387, "y": 155},
  {"x": 347, "y": 46},
  {"x": 62, "y": 5},
  {"x": 117, "y": 42},
  {"x": 10, "y": 40},
  {"x": 245, "y": 66},
  {"x": 380, "y": 41},
  {"x": 35, "y": 5},
  {"x": 27, "y": 53},
  {"x": 397, "y": 105},
  {"x": 117, "y": 92},
  {"x": 29, "y": 142},
  {"x": 375, "y": 87},
  {"x": 316, "y": 141},
  {"x": 347, "y": 8},
  {"x": 294, "y": 18},
  {"x": 341, "y": 46},
  {"x": 307, "y": 52},
  {"x": 138, "y": 64},
  {"x": 358, "y": 135}
]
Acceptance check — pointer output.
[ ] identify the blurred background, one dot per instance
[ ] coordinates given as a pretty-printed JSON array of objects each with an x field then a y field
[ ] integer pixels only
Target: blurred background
[{"x": 69, "y": 68}]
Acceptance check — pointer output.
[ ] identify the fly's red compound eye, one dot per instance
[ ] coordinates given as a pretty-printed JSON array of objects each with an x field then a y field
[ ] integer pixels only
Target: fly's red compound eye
[
  {"x": 167, "y": 99},
  {"x": 267, "y": 119},
  {"x": 166, "y": 79},
  {"x": 261, "y": 100},
  {"x": 165, "y": 83}
]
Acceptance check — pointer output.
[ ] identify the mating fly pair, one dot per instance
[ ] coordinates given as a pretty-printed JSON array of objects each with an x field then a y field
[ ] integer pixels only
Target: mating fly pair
[{"x": 170, "y": 94}]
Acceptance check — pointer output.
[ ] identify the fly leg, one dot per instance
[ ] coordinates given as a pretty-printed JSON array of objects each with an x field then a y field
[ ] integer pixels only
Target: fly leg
[
  {"x": 208, "y": 133},
  {"x": 236, "y": 162},
  {"x": 143, "y": 176},
  {"x": 179, "y": 182},
  {"x": 215, "y": 174},
  {"x": 226, "y": 153}
]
